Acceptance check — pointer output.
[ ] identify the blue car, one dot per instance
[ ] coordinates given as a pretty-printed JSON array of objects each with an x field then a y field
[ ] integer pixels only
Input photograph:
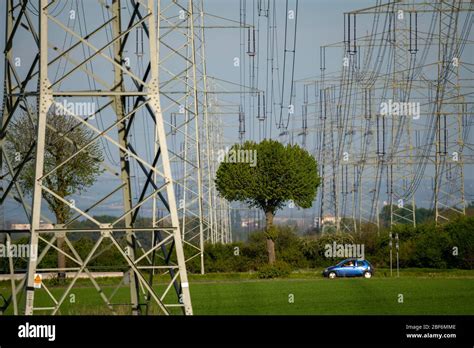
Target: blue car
[{"x": 350, "y": 268}]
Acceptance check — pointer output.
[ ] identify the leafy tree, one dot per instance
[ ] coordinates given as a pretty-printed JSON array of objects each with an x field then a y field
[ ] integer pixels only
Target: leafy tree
[
  {"x": 279, "y": 174},
  {"x": 64, "y": 137}
]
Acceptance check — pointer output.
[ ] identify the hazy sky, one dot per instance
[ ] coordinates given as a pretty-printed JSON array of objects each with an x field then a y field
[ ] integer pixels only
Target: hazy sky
[{"x": 320, "y": 22}]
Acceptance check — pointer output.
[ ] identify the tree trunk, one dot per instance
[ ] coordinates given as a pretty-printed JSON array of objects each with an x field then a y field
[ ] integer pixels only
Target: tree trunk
[
  {"x": 270, "y": 242},
  {"x": 61, "y": 259},
  {"x": 60, "y": 219}
]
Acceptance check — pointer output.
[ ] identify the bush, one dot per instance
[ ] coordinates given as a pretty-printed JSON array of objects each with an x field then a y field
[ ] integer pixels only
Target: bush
[
  {"x": 279, "y": 269},
  {"x": 422, "y": 246},
  {"x": 461, "y": 234},
  {"x": 314, "y": 248},
  {"x": 288, "y": 247},
  {"x": 431, "y": 248}
]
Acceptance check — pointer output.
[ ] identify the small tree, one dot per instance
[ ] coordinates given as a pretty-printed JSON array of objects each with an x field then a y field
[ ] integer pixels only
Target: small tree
[
  {"x": 278, "y": 174},
  {"x": 64, "y": 137}
]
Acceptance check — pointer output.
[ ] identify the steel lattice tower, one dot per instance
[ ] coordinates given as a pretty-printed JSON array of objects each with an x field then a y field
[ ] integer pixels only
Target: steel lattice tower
[
  {"x": 407, "y": 52},
  {"x": 127, "y": 97}
]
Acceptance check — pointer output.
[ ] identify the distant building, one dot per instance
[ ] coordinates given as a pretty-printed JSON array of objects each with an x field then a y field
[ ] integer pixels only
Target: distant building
[
  {"x": 249, "y": 223},
  {"x": 290, "y": 221},
  {"x": 329, "y": 219},
  {"x": 43, "y": 226}
]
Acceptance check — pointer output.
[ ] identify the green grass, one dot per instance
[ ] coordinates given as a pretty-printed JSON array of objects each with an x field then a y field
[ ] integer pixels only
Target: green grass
[
  {"x": 424, "y": 292},
  {"x": 340, "y": 296}
]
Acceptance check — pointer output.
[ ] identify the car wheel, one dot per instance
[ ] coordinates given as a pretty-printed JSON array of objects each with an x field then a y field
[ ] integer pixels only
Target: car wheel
[
  {"x": 367, "y": 275},
  {"x": 332, "y": 275}
]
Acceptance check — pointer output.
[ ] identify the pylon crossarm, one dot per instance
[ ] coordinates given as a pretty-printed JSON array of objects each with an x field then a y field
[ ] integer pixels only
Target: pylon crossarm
[
  {"x": 158, "y": 245},
  {"x": 97, "y": 52},
  {"x": 72, "y": 206},
  {"x": 50, "y": 244},
  {"x": 122, "y": 148}
]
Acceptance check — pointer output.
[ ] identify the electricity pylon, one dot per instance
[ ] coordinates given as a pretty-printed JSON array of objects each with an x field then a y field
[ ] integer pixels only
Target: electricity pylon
[
  {"x": 450, "y": 114},
  {"x": 400, "y": 174},
  {"x": 126, "y": 98},
  {"x": 412, "y": 54},
  {"x": 180, "y": 68}
]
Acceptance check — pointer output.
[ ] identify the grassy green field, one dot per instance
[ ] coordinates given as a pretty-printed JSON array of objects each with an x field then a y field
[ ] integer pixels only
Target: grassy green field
[
  {"x": 423, "y": 292},
  {"x": 342, "y": 296}
]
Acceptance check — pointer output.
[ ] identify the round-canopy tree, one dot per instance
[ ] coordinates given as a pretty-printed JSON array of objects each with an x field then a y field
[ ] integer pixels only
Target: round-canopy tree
[
  {"x": 64, "y": 137},
  {"x": 266, "y": 176}
]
